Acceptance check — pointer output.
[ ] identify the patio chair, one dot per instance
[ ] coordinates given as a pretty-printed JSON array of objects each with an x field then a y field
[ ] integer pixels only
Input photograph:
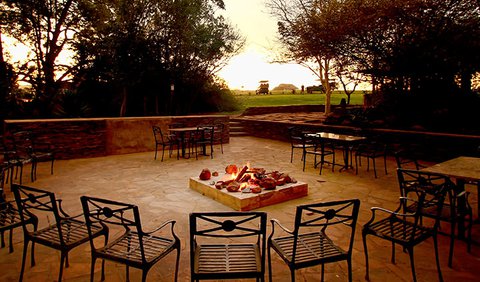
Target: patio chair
[
  {"x": 227, "y": 245},
  {"x": 406, "y": 228},
  {"x": 17, "y": 155},
  {"x": 311, "y": 242},
  {"x": 58, "y": 230},
  {"x": 406, "y": 159},
  {"x": 130, "y": 245},
  {"x": 321, "y": 148},
  {"x": 168, "y": 141},
  {"x": 371, "y": 150},
  {"x": 219, "y": 128},
  {"x": 456, "y": 209},
  {"x": 9, "y": 216},
  {"x": 203, "y": 138},
  {"x": 297, "y": 140}
]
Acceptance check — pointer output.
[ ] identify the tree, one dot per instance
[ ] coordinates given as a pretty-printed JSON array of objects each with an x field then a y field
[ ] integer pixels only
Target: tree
[
  {"x": 47, "y": 27},
  {"x": 311, "y": 32},
  {"x": 144, "y": 47}
]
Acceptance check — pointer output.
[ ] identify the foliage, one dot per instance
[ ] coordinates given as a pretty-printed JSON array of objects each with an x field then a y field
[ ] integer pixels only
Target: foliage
[
  {"x": 47, "y": 27},
  {"x": 136, "y": 46}
]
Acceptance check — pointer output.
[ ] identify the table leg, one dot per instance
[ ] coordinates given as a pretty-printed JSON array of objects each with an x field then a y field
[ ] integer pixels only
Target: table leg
[{"x": 461, "y": 206}]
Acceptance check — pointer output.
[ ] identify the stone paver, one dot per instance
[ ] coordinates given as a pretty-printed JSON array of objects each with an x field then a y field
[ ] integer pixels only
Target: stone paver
[{"x": 161, "y": 191}]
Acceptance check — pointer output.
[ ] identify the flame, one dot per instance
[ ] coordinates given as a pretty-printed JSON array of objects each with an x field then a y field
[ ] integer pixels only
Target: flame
[
  {"x": 234, "y": 175},
  {"x": 243, "y": 185},
  {"x": 248, "y": 165}
]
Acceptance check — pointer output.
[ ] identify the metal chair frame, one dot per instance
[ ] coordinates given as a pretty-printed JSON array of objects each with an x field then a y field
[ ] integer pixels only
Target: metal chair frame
[
  {"x": 134, "y": 247},
  {"x": 227, "y": 245},
  {"x": 65, "y": 233},
  {"x": 414, "y": 181},
  {"x": 406, "y": 228},
  {"x": 164, "y": 141},
  {"x": 310, "y": 242}
]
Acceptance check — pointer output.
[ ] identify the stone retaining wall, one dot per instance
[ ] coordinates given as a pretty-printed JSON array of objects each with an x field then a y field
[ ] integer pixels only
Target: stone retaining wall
[
  {"x": 431, "y": 146},
  {"x": 95, "y": 137}
]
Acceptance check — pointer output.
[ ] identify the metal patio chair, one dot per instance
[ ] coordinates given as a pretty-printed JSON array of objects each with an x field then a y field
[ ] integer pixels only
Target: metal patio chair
[
  {"x": 57, "y": 230},
  {"x": 227, "y": 245},
  {"x": 131, "y": 246},
  {"x": 311, "y": 242}
]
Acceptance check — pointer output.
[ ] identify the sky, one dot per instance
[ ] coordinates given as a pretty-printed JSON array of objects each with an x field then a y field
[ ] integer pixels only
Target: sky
[{"x": 245, "y": 70}]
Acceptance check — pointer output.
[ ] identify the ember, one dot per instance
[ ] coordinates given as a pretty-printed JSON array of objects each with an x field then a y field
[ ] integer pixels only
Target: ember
[{"x": 251, "y": 180}]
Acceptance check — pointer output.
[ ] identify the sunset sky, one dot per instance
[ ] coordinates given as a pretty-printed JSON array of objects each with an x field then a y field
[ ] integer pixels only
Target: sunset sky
[{"x": 245, "y": 70}]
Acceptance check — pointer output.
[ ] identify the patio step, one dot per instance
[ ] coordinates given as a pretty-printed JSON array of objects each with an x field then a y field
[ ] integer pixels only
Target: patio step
[{"x": 236, "y": 129}]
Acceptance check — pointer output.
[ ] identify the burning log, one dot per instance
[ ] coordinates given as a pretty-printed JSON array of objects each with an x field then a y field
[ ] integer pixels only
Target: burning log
[{"x": 241, "y": 173}]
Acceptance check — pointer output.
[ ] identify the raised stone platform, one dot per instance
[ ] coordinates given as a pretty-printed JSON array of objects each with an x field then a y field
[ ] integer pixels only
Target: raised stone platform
[{"x": 249, "y": 201}]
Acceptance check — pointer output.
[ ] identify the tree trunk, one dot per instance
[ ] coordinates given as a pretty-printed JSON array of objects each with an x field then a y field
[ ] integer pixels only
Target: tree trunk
[{"x": 123, "y": 106}]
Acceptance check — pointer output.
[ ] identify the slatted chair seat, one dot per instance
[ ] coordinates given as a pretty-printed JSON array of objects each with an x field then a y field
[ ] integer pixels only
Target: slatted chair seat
[
  {"x": 224, "y": 259},
  {"x": 126, "y": 249},
  {"x": 74, "y": 232},
  {"x": 400, "y": 231},
  {"x": 311, "y": 248}
]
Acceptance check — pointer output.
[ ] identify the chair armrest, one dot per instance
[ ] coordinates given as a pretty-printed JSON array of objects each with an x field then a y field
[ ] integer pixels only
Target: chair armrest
[
  {"x": 163, "y": 225},
  {"x": 63, "y": 212},
  {"x": 276, "y": 222}
]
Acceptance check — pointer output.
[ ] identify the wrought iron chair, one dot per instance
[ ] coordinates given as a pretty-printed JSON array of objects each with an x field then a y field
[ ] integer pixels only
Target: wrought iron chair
[
  {"x": 16, "y": 155},
  {"x": 456, "y": 210},
  {"x": 9, "y": 215},
  {"x": 298, "y": 140},
  {"x": 227, "y": 245},
  {"x": 203, "y": 137},
  {"x": 219, "y": 128},
  {"x": 406, "y": 228},
  {"x": 406, "y": 159},
  {"x": 168, "y": 141},
  {"x": 38, "y": 152},
  {"x": 133, "y": 246},
  {"x": 321, "y": 148},
  {"x": 62, "y": 232},
  {"x": 310, "y": 242},
  {"x": 371, "y": 150}
]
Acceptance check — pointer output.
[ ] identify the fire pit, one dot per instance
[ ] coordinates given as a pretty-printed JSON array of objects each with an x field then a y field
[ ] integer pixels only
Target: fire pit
[{"x": 248, "y": 188}]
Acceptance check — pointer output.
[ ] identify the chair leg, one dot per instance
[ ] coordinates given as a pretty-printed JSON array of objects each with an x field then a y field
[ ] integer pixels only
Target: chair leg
[
  {"x": 374, "y": 167},
  {"x": 2, "y": 239},
  {"x": 291, "y": 155},
  {"x": 269, "y": 254},
  {"x": 92, "y": 269},
  {"x": 163, "y": 151},
  {"x": 62, "y": 261},
  {"x": 156, "y": 149},
  {"x": 10, "y": 241},
  {"x": 393, "y": 253},
  {"x": 364, "y": 238},
  {"x": 292, "y": 274},
  {"x": 349, "y": 263},
  {"x": 323, "y": 273},
  {"x": 127, "y": 273},
  {"x": 412, "y": 263},
  {"x": 24, "y": 257},
  {"x": 144, "y": 275},
  {"x": 435, "y": 244},
  {"x": 177, "y": 262},
  {"x": 452, "y": 243}
]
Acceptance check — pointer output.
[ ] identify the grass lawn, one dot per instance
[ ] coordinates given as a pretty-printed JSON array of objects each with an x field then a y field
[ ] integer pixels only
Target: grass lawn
[{"x": 279, "y": 99}]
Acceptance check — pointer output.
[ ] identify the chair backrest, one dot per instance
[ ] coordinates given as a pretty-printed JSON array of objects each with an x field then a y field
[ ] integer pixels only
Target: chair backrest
[
  {"x": 109, "y": 214},
  {"x": 320, "y": 217},
  {"x": 406, "y": 159},
  {"x": 39, "y": 205},
  {"x": 227, "y": 225},
  {"x": 411, "y": 180},
  {"x": 157, "y": 134},
  {"x": 207, "y": 132}
]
